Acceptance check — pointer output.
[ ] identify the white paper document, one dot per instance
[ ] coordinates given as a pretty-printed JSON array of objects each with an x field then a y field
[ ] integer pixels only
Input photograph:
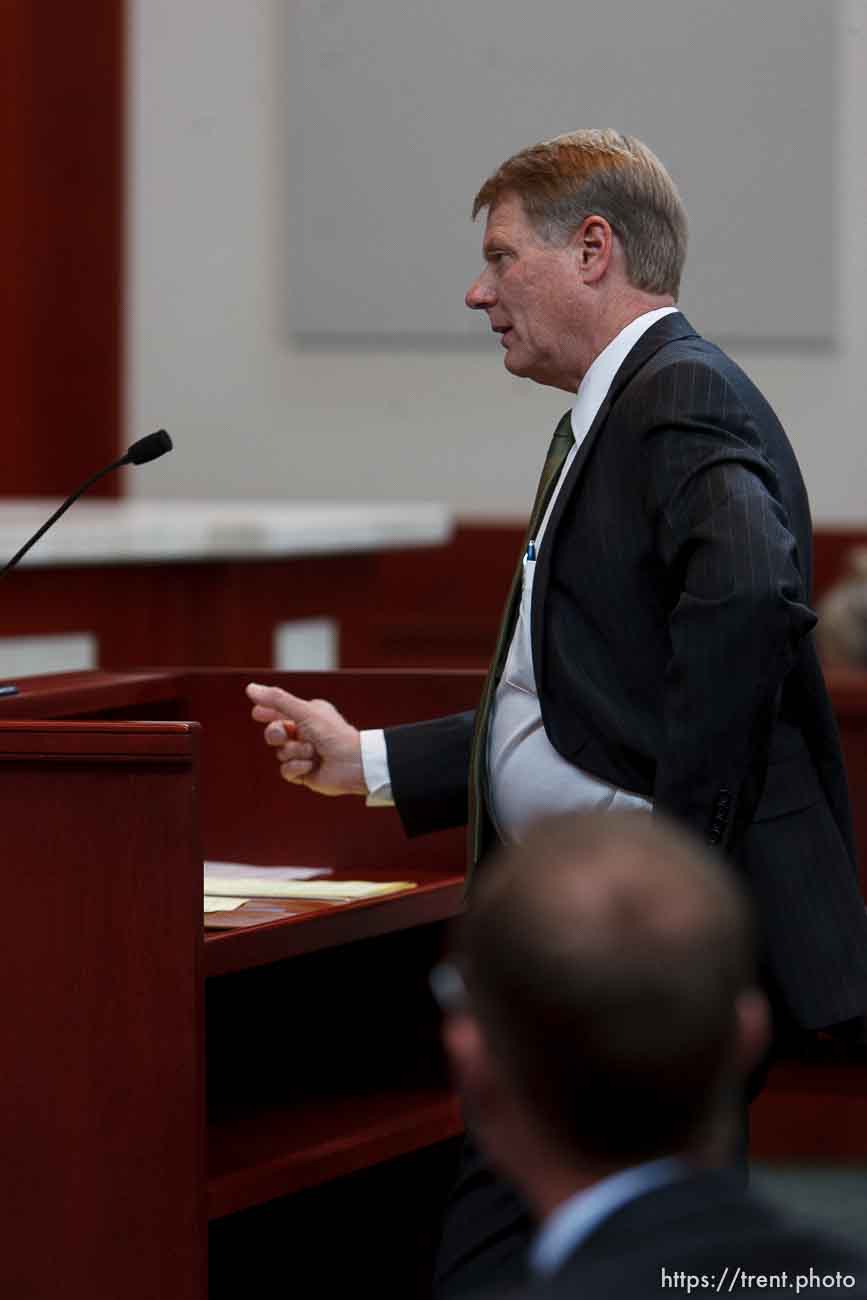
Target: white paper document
[
  {"x": 334, "y": 890},
  {"x": 213, "y": 904},
  {"x": 244, "y": 871}
]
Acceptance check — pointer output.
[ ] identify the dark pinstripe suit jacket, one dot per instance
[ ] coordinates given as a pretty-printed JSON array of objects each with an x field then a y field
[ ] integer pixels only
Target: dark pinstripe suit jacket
[{"x": 672, "y": 644}]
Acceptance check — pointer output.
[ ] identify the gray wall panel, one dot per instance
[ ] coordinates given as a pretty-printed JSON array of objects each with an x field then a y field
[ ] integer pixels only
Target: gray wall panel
[{"x": 400, "y": 108}]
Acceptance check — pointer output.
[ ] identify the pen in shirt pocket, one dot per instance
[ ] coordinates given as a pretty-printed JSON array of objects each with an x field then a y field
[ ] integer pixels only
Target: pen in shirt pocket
[{"x": 531, "y": 549}]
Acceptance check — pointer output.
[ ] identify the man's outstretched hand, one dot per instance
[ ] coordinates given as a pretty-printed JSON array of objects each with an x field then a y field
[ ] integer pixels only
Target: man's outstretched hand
[{"x": 314, "y": 744}]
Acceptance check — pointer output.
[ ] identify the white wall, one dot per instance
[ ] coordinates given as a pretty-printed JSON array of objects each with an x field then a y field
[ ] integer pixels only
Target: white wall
[{"x": 210, "y": 313}]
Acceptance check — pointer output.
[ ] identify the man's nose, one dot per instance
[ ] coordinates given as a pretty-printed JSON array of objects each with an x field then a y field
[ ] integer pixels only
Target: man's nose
[{"x": 480, "y": 294}]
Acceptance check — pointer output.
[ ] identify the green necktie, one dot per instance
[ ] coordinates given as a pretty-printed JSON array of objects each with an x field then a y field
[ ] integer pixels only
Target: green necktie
[{"x": 561, "y": 444}]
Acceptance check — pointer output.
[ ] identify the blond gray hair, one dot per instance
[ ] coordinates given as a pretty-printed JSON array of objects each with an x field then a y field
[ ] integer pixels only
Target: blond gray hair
[{"x": 600, "y": 172}]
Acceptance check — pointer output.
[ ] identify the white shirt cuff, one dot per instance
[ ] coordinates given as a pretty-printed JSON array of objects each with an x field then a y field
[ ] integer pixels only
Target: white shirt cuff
[{"x": 374, "y": 761}]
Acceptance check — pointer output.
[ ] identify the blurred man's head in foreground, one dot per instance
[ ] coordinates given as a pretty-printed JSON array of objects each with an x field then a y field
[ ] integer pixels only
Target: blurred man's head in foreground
[{"x": 610, "y": 1013}]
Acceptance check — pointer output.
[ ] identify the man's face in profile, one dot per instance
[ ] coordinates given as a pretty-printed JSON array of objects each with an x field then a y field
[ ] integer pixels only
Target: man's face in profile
[{"x": 532, "y": 294}]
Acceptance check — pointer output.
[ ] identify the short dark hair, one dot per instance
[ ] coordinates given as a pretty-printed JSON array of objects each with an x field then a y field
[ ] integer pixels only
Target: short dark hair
[{"x": 603, "y": 959}]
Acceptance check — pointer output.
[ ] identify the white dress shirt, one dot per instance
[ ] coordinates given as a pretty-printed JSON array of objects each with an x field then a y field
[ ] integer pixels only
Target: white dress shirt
[
  {"x": 527, "y": 777},
  {"x": 574, "y": 1220}
]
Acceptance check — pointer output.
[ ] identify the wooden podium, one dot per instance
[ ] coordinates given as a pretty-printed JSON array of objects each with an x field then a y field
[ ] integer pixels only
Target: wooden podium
[
  {"x": 277, "y": 1087},
  {"x": 266, "y": 1105}
]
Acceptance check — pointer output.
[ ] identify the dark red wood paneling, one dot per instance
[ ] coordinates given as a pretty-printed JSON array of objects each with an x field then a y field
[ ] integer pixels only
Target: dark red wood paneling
[
  {"x": 102, "y": 1085},
  {"x": 831, "y": 550},
  {"x": 61, "y": 241}
]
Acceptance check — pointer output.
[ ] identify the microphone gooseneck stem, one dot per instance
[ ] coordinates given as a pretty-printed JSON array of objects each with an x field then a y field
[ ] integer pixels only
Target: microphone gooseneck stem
[
  {"x": 67, "y": 503},
  {"x": 140, "y": 453}
]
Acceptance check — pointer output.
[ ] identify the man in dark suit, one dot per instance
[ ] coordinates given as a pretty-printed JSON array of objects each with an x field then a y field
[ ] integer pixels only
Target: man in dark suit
[
  {"x": 601, "y": 1014},
  {"x": 656, "y": 648}
]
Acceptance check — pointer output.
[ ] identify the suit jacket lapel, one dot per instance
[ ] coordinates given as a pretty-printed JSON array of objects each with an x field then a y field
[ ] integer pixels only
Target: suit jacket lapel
[{"x": 664, "y": 331}]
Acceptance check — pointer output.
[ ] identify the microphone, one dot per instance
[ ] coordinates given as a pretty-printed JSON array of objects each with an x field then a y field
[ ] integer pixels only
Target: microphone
[
  {"x": 141, "y": 451},
  {"x": 147, "y": 448}
]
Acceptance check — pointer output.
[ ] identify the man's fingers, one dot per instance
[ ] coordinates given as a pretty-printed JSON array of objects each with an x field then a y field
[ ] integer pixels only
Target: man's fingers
[
  {"x": 276, "y": 733},
  {"x": 313, "y": 743},
  {"x": 281, "y": 702},
  {"x": 260, "y": 714},
  {"x": 294, "y": 750},
  {"x": 296, "y": 769}
]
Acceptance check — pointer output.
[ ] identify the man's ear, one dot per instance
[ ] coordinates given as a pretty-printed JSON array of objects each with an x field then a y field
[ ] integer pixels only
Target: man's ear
[
  {"x": 470, "y": 1062},
  {"x": 593, "y": 243},
  {"x": 752, "y": 1030}
]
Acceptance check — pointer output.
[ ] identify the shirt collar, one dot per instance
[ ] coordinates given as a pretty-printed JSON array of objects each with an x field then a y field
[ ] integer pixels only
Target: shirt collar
[
  {"x": 574, "y": 1220},
  {"x": 598, "y": 379}
]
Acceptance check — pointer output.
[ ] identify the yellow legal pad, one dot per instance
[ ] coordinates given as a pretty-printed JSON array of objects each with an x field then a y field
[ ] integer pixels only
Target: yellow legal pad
[{"x": 327, "y": 890}]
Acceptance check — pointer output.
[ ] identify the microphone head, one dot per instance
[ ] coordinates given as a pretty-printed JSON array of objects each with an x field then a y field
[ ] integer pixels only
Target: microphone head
[{"x": 149, "y": 447}]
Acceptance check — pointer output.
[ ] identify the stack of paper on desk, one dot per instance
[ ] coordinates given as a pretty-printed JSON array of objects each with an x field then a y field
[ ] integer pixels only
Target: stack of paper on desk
[
  {"x": 214, "y": 904},
  {"x": 228, "y": 885},
  {"x": 239, "y": 870},
  {"x": 325, "y": 889}
]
